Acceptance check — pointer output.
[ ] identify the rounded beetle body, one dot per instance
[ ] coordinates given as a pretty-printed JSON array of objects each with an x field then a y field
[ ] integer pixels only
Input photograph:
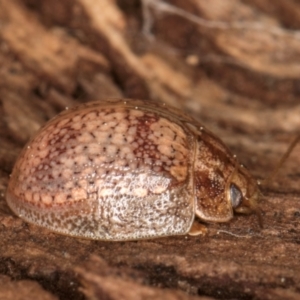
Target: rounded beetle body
[{"x": 126, "y": 170}]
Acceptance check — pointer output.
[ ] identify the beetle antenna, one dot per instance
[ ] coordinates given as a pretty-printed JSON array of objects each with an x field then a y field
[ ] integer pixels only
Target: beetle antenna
[
  {"x": 258, "y": 214},
  {"x": 283, "y": 159}
]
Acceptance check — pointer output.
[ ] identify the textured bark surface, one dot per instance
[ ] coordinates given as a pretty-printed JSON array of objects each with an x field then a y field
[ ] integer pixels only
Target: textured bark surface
[{"x": 233, "y": 65}]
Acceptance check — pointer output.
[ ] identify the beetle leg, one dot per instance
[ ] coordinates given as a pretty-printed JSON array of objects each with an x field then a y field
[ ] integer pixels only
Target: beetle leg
[{"x": 197, "y": 229}]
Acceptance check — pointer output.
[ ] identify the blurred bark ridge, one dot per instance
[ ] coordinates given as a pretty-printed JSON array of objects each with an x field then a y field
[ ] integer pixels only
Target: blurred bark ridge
[{"x": 233, "y": 65}]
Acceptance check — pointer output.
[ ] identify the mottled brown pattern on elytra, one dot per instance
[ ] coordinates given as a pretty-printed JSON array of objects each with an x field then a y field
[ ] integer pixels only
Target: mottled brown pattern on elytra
[{"x": 133, "y": 177}]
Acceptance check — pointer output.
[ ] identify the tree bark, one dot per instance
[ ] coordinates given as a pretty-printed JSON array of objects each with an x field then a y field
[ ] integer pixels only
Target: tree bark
[{"x": 232, "y": 65}]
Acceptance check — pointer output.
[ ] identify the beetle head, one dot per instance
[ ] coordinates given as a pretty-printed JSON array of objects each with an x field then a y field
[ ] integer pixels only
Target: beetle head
[{"x": 243, "y": 193}]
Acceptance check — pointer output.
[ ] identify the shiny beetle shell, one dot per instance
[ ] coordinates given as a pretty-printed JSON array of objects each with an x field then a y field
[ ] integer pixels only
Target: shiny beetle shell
[{"x": 127, "y": 170}]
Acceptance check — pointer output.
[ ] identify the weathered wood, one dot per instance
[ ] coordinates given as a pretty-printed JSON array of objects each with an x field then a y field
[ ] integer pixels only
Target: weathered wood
[{"x": 233, "y": 65}]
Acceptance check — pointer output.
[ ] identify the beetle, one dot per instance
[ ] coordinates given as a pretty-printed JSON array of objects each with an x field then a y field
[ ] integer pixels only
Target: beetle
[{"x": 127, "y": 170}]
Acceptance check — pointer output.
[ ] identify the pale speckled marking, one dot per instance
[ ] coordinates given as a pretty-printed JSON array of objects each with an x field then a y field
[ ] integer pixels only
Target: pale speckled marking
[{"x": 130, "y": 165}]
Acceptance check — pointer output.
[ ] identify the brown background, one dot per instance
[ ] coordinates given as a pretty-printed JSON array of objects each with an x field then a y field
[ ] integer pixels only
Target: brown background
[{"x": 234, "y": 65}]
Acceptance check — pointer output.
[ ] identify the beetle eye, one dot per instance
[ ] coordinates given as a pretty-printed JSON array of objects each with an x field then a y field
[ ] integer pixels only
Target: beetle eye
[{"x": 235, "y": 195}]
